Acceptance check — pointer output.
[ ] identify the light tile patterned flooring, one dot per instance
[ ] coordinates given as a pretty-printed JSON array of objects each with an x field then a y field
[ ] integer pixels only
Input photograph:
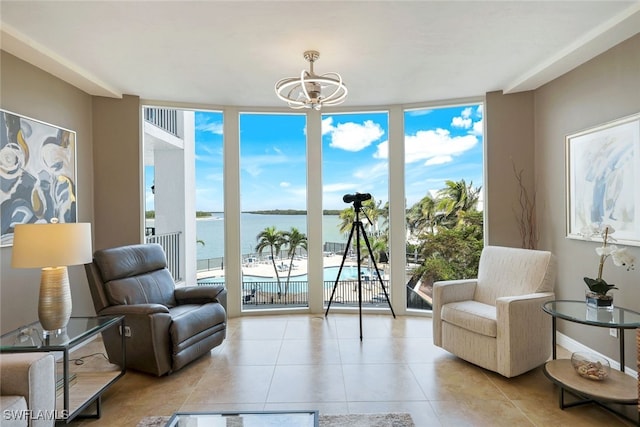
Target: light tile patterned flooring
[{"x": 312, "y": 362}]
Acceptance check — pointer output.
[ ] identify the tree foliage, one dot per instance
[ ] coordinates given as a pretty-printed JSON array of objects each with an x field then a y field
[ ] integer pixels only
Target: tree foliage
[{"x": 445, "y": 230}]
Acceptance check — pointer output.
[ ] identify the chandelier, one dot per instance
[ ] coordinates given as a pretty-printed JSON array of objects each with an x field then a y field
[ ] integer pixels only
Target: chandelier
[{"x": 311, "y": 90}]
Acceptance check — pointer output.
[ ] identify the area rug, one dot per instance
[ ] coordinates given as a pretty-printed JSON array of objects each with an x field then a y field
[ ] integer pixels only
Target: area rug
[{"x": 349, "y": 420}]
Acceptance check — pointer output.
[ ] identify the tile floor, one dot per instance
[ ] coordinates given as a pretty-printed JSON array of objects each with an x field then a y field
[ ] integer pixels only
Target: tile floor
[{"x": 313, "y": 362}]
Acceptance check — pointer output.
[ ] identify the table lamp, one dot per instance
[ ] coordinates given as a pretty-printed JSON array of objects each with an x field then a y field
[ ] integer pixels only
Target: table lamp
[{"x": 52, "y": 247}]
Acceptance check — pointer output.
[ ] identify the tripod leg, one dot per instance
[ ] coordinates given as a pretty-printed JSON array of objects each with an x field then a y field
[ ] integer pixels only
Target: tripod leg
[
  {"x": 386, "y": 295},
  {"x": 344, "y": 257},
  {"x": 358, "y": 225}
]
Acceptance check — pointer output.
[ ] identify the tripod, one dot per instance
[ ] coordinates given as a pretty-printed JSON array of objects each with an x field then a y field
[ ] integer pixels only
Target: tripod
[{"x": 358, "y": 228}]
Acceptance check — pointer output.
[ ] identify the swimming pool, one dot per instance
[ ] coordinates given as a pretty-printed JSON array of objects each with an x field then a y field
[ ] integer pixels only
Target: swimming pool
[{"x": 330, "y": 275}]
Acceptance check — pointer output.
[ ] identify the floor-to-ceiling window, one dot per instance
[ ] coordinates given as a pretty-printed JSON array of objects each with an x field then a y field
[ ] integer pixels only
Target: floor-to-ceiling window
[
  {"x": 443, "y": 189},
  {"x": 273, "y": 220},
  {"x": 355, "y": 176},
  {"x": 433, "y": 156},
  {"x": 209, "y": 194},
  {"x": 183, "y": 181}
]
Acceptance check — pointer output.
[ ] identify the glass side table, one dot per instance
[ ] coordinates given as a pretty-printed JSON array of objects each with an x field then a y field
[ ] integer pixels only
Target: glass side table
[
  {"x": 618, "y": 387},
  {"x": 81, "y": 388},
  {"x": 577, "y": 311}
]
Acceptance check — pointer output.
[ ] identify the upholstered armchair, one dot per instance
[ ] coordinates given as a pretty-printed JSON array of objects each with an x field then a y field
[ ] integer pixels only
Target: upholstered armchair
[
  {"x": 166, "y": 327},
  {"x": 496, "y": 321},
  {"x": 28, "y": 389}
]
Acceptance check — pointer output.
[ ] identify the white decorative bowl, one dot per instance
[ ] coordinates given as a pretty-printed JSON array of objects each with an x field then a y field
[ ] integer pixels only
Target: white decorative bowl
[{"x": 590, "y": 366}]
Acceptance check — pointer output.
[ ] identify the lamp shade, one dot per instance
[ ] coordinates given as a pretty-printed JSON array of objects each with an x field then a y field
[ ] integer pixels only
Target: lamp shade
[{"x": 51, "y": 245}]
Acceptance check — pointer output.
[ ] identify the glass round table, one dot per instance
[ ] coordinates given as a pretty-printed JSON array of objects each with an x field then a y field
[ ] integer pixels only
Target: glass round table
[
  {"x": 577, "y": 311},
  {"x": 618, "y": 387}
]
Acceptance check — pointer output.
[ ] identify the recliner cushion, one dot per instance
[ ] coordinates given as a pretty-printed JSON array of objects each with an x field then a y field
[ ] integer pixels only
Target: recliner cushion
[
  {"x": 156, "y": 287},
  {"x": 129, "y": 261},
  {"x": 136, "y": 274},
  {"x": 473, "y": 316},
  {"x": 191, "y": 319}
]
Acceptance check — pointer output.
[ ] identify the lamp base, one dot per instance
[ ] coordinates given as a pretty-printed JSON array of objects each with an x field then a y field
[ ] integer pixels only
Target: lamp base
[{"x": 54, "y": 305}]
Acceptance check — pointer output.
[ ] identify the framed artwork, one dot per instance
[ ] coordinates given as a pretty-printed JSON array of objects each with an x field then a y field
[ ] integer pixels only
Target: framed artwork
[
  {"x": 37, "y": 173},
  {"x": 603, "y": 180}
]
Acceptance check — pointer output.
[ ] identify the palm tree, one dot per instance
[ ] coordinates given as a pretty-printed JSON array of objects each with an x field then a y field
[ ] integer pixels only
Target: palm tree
[
  {"x": 457, "y": 197},
  {"x": 348, "y": 216},
  {"x": 421, "y": 217},
  {"x": 293, "y": 239},
  {"x": 372, "y": 210},
  {"x": 271, "y": 238}
]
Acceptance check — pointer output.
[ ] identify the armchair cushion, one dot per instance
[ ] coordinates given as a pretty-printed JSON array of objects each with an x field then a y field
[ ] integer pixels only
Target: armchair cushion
[
  {"x": 509, "y": 271},
  {"x": 473, "y": 316}
]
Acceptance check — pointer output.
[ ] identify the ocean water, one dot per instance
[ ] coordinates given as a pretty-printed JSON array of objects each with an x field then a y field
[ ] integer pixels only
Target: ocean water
[{"x": 211, "y": 231}]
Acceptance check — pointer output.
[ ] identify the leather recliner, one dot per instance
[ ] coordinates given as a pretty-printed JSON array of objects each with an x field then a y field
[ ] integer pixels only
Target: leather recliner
[{"x": 166, "y": 327}]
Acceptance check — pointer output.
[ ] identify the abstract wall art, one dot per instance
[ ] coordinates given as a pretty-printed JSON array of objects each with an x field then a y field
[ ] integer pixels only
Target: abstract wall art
[
  {"x": 37, "y": 173},
  {"x": 603, "y": 180}
]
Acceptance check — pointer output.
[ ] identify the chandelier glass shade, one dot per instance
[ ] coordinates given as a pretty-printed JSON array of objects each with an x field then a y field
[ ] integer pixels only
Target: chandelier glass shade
[{"x": 311, "y": 90}]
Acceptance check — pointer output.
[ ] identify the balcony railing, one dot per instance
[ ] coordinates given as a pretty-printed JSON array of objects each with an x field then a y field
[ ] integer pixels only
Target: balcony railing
[
  {"x": 267, "y": 294},
  {"x": 164, "y": 118},
  {"x": 170, "y": 242}
]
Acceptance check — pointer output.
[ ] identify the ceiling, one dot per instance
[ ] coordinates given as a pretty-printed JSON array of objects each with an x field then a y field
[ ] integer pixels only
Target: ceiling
[{"x": 388, "y": 52}]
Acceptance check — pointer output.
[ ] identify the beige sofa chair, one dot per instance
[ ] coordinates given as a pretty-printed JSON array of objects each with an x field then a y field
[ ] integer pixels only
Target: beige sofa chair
[
  {"x": 496, "y": 321},
  {"x": 27, "y": 389}
]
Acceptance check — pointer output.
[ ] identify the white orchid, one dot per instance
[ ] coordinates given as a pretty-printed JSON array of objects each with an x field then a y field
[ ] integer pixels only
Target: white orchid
[{"x": 620, "y": 257}]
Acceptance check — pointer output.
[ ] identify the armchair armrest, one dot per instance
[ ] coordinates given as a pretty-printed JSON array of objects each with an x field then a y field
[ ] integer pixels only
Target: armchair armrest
[
  {"x": 447, "y": 291},
  {"x": 134, "y": 309},
  {"x": 200, "y": 294},
  {"x": 522, "y": 318},
  {"x": 454, "y": 290},
  {"x": 31, "y": 375}
]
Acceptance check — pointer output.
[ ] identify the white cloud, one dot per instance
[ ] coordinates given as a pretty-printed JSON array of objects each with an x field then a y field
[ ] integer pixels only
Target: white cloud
[
  {"x": 352, "y": 136},
  {"x": 334, "y": 188},
  {"x": 327, "y": 125},
  {"x": 438, "y": 160},
  {"x": 418, "y": 113},
  {"x": 464, "y": 121},
  {"x": 383, "y": 150},
  {"x": 461, "y": 122},
  {"x": 285, "y": 184},
  {"x": 255, "y": 165},
  {"x": 370, "y": 172},
  {"x": 478, "y": 127},
  {"x": 431, "y": 146},
  {"x": 213, "y": 127}
]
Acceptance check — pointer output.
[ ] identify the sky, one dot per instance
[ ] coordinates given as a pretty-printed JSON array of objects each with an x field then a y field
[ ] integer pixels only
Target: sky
[{"x": 440, "y": 144}]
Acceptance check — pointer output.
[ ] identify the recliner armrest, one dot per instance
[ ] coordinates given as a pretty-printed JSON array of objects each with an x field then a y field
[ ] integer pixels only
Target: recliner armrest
[
  {"x": 198, "y": 294},
  {"x": 133, "y": 309}
]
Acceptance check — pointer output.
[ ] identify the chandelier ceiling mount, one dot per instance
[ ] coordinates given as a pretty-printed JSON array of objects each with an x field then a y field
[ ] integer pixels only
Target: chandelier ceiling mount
[{"x": 311, "y": 90}]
